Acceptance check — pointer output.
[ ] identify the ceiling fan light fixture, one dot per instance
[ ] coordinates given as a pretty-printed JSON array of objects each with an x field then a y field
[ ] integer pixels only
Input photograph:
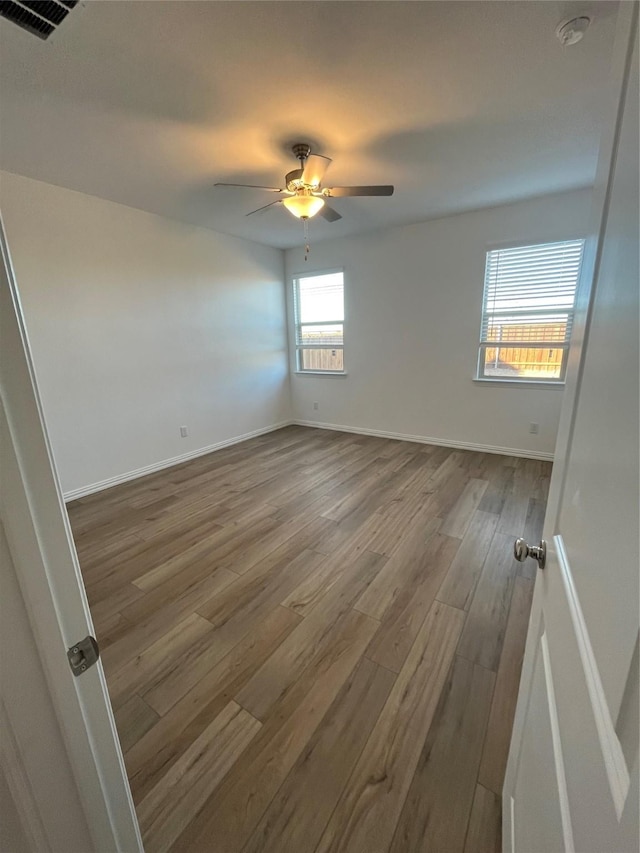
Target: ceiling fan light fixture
[{"x": 303, "y": 206}]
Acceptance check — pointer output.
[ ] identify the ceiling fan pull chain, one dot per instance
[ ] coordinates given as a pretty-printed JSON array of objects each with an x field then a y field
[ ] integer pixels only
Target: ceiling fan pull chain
[{"x": 305, "y": 222}]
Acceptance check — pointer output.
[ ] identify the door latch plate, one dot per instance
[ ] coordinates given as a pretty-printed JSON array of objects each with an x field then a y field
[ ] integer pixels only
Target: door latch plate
[{"x": 83, "y": 655}]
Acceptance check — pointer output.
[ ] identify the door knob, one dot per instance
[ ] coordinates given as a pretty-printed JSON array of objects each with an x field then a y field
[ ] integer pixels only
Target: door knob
[{"x": 539, "y": 552}]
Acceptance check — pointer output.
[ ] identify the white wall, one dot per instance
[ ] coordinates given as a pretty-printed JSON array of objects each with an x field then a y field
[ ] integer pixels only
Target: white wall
[
  {"x": 413, "y": 298},
  {"x": 140, "y": 324}
]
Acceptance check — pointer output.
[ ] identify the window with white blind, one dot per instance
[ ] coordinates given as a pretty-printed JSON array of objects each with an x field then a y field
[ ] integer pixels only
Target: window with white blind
[
  {"x": 527, "y": 311},
  {"x": 319, "y": 316}
]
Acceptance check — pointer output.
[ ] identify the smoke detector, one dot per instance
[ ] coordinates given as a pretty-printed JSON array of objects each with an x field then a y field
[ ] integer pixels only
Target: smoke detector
[{"x": 573, "y": 30}]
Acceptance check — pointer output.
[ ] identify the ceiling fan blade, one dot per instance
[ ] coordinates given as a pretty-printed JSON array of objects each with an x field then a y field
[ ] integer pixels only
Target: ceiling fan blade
[
  {"x": 339, "y": 192},
  {"x": 314, "y": 168},
  {"x": 264, "y": 207},
  {"x": 249, "y": 186},
  {"x": 330, "y": 214}
]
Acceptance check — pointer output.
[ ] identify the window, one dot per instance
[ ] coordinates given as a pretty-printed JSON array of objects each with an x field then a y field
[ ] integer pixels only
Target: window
[
  {"x": 527, "y": 311},
  {"x": 319, "y": 313}
]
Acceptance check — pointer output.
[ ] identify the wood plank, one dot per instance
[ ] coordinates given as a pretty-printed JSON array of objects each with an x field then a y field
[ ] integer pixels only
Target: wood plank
[
  {"x": 399, "y": 520},
  {"x": 496, "y": 748},
  {"x": 460, "y": 582},
  {"x": 138, "y": 630},
  {"x": 196, "y": 509},
  {"x": 368, "y": 492},
  {"x": 457, "y": 520},
  {"x": 110, "y": 629},
  {"x": 403, "y": 620},
  {"x": 157, "y": 751},
  {"x": 139, "y": 561},
  {"x": 438, "y": 805},
  {"x": 499, "y": 488},
  {"x": 178, "y": 676},
  {"x": 208, "y": 652},
  {"x": 366, "y": 815},
  {"x": 437, "y": 454},
  {"x": 363, "y": 497},
  {"x": 258, "y": 546},
  {"x": 484, "y": 631},
  {"x": 150, "y": 666},
  {"x": 93, "y": 550},
  {"x": 540, "y": 491},
  {"x": 194, "y": 561},
  {"x": 514, "y": 511},
  {"x": 449, "y": 464},
  {"x": 196, "y": 582},
  {"x": 446, "y": 494},
  {"x": 241, "y": 516},
  {"x": 334, "y": 478},
  {"x": 345, "y": 536},
  {"x": 484, "y": 834},
  {"x": 304, "y": 598},
  {"x": 171, "y": 805},
  {"x": 406, "y": 564},
  {"x": 232, "y": 813},
  {"x": 133, "y": 720},
  {"x": 254, "y": 595},
  {"x": 324, "y": 766},
  {"x": 417, "y": 483},
  {"x": 123, "y": 519},
  {"x": 484, "y": 466},
  {"x": 308, "y": 641},
  {"x": 214, "y": 550},
  {"x": 103, "y": 612}
]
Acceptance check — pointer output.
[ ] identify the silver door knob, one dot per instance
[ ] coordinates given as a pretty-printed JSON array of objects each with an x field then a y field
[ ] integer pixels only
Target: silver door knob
[{"x": 539, "y": 552}]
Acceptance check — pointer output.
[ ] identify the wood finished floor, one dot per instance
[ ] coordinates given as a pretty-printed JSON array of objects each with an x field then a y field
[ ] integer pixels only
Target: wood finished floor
[{"x": 313, "y": 641}]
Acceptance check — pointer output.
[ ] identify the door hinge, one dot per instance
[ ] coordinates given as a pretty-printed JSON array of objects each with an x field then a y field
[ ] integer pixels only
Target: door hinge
[{"x": 83, "y": 655}]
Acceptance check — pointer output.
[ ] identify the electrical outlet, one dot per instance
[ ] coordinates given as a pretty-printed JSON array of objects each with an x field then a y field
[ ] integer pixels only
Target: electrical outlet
[
  {"x": 534, "y": 429},
  {"x": 315, "y": 406},
  {"x": 184, "y": 432}
]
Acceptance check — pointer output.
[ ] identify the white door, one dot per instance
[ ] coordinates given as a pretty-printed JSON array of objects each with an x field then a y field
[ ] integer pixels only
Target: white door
[
  {"x": 43, "y": 560},
  {"x": 572, "y": 775}
]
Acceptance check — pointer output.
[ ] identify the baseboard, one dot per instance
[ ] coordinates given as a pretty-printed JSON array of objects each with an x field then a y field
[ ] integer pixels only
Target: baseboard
[
  {"x": 427, "y": 439},
  {"x": 83, "y": 491}
]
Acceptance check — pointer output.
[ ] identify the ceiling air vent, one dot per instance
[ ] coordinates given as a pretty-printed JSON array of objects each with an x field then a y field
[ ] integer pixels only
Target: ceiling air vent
[{"x": 40, "y": 17}]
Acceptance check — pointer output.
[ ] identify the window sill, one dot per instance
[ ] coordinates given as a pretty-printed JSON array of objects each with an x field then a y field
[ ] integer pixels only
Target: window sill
[
  {"x": 519, "y": 383},
  {"x": 320, "y": 372}
]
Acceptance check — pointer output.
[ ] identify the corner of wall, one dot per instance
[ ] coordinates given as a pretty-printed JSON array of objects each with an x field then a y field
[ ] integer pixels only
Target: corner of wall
[{"x": 287, "y": 331}]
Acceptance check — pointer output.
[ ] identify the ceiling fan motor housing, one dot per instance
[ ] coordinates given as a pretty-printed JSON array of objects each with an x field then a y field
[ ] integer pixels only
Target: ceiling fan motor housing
[{"x": 301, "y": 150}]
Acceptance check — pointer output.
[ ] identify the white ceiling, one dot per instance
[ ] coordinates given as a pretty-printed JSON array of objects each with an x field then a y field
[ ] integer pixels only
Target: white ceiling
[{"x": 459, "y": 104}]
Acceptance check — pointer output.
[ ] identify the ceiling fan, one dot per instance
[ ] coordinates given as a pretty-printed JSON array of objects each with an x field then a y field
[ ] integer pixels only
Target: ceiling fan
[{"x": 304, "y": 195}]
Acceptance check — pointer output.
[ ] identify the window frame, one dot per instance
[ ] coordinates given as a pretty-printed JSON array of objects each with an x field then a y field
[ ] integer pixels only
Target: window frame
[
  {"x": 538, "y": 381},
  {"x": 297, "y": 323}
]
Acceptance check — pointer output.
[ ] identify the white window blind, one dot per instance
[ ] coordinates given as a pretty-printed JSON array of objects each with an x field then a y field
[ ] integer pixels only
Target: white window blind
[
  {"x": 319, "y": 315},
  {"x": 527, "y": 311}
]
